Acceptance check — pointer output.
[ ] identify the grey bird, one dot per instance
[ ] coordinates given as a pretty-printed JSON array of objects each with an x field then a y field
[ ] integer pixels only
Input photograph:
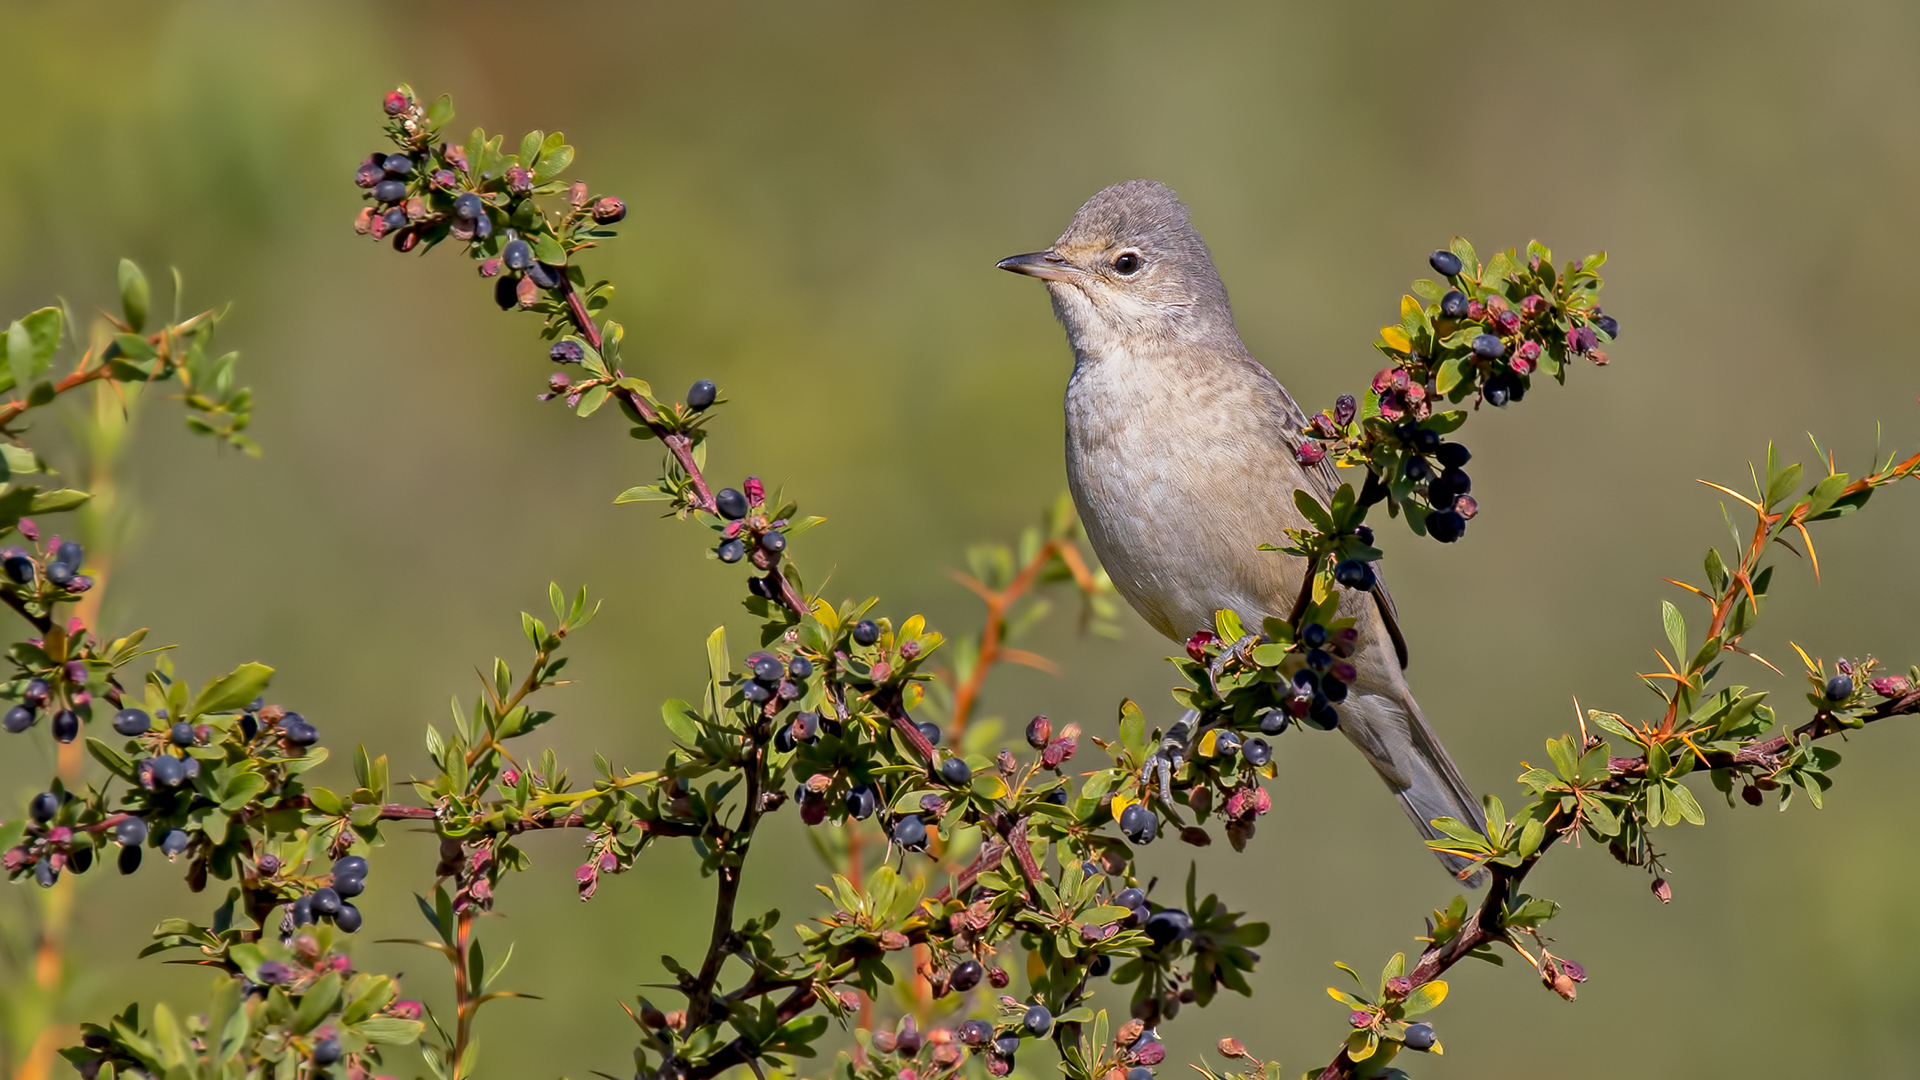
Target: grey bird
[{"x": 1180, "y": 456}]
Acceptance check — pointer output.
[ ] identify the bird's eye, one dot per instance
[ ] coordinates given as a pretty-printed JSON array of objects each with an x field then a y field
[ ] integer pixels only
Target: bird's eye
[{"x": 1127, "y": 262}]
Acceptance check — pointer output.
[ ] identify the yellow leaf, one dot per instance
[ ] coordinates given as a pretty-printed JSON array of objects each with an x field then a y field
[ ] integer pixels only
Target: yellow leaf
[
  {"x": 1206, "y": 748},
  {"x": 1396, "y": 339},
  {"x": 912, "y": 628}
]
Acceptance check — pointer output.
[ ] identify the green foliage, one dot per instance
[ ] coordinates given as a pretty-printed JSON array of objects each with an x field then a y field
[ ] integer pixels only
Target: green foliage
[{"x": 1039, "y": 854}]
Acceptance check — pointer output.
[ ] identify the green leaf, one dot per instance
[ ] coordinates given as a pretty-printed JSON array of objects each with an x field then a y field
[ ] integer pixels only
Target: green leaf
[
  {"x": 643, "y": 493},
  {"x": 1676, "y": 627},
  {"x": 1453, "y": 372},
  {"x": 1424, "y": 998},
  {"x": 134, "y": 295},
  {"x": 592, "y": 400},
  {"x": 679, "y": 717},
  {"x": 1311, "y": 509},
  {"x": 553, "y": 163},
  {"x": 317, "y": 1002},
  {"x": 54, "y": 502},
  {"x": 232, "y": 690},
  {"x": 549, "y": 251}
]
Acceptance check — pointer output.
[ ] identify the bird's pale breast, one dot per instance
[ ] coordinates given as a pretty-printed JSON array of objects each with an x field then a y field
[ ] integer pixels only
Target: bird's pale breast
[{"x": 1179, "y": 480}]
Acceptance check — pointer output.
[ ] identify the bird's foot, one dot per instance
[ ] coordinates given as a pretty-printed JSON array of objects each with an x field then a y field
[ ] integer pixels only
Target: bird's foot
[
  {"x": 1232, "y": 653},
  {"x": 1171, "y": 756}
]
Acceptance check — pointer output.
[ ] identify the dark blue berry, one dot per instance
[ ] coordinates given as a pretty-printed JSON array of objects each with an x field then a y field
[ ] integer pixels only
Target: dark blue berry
[
  {"x": 181, "y": 734},
  {"x": 866, "y": 632},
  {"x": 783, "y": 740},
  {"x": 66, "y": 726},
  {"x": 43, "y": 806},
  {"x": 1419, "y": 1036},
  {"x": 1169, "y": 926},
  {"x": 1444, "y": 262},
  {"x": 395, "y": 218},
  {"x": 131, "y": 832},
  {"x": 70, "y": 554},
  {"x": 1274, "y": 722},
  {"x": 483, "y": 228},
  {"x": 1258, "y": 752},
  {"x": 768, "y": 669},
  {"x": 701, "y": 395},
  {"x": 349, "y": 919},
  {"x": 469, "y": 207},
  {"x": 326, "y": 1051},
  {"x": 910, "y": 832},
  {"x": 1008, "y": 1045},
  {"x": 19, "y": 568},
  {"x": 974, "y": 1032},
  {"x": 966, "y": 975},
  {"x": 37, "y": 693},
  {"x": 349, "y": 886},
  {"x": 1426, "y": 440},
  {"x": 1839, "y": 688},
  {"x": 1226, "y": 744},
  {"x": 1488, "y": 347},
  {"x": 731, "y": 551},
  {"x": 1323, "y": 716},
  {"x": 1129, "y": 898},
  {"x": 1319, "y": 659},
  {"x": 731, "y": 504},
  {"x": 1038, "y": 1021},
  {"x": 1305, "y": 682},
  {"x": 1313, "y": 635},
  {"x": 131, "y": 722},
  {"x": 1417, "y": 469},
  {"x": 757, "y": 693},
  {"x": 45, "y": 873},
  {"x": 1453, "y": 455},
  {"x": 1496, "y": 391},
  {"x": 297, "y": 731},
  {"x": 800, "y": 667},
  {"x": 955, "y": 771},
  {"x": 397, "y": 164},
  {"x": 547, "y": 277},
  {"x": 1334, "y": 690},
  {"x": 862, "y": 801},
  {"x": 773, "y": 541},
  {"x": 517, "y": 254},
  {"x": 326, "y": 902},
  {"x": 1608, "y": 325},
  {"x": 1100, "y": 966},
  {"x": 567, "y": 352},
  {"x": 1454, "y": 304},
  {"x": 175, "y": 842},
  {"x": 390, "y": 191},
  {"x": 18, "y": 719},
  {"x": 1446, "y": 526},
  {"x": 1139, "y": 824},
  {"x": 1354, "y": 574},
  {"x": 930, "y": 731},
  {"x": 1139, "y": 1072}
]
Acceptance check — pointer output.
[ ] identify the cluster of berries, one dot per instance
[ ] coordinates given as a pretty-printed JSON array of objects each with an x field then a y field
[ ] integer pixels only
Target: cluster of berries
[
  {"x": 908, "y": 1043},
  {"x": 1321, "y": 683},
  {"x": 331, "y": 901},
  {"x": 1002, "y": 1043},
  {"x": 431, "y": 192},
  {"x": 775, "y": 681},
  {"x": 1163, "y": 927},
  {"x": 61, "y": 568},
  {"x": 748, "y": 534},
  {"x": 38, "y": 695},
  {"x": 1504, "y": 372}
]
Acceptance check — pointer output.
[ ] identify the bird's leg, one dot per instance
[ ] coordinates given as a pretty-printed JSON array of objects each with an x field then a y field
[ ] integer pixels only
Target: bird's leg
[
  {"x": 1172, "y": 754},
  {"x": 1232, "y": 652}
]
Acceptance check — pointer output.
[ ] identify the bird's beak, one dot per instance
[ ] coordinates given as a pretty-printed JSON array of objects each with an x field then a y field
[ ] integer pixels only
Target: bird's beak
[{"x": 1044, "y": 265}]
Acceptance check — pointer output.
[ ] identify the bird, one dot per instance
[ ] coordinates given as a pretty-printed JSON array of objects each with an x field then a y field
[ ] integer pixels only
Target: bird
[{"x": 1181, "y": 460}]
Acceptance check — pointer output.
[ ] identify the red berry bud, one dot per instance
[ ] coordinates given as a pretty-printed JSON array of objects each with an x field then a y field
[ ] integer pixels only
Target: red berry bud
[
  {"x": 756, "y": 491},
  {"x": 1197, "y": 645},
  {"x": 397, "y": 103},
  {"x": 609, "y": 210}
]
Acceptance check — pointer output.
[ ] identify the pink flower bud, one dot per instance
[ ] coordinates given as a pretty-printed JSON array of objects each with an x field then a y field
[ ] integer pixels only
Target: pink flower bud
[
  {"x": 396, "y": 103},
  {"x": 1197, "y": 645},
  {"x": 756, "y": 491},
  {"x": 1889, "y": 685},
  {"x": 1310, "y": 454}
]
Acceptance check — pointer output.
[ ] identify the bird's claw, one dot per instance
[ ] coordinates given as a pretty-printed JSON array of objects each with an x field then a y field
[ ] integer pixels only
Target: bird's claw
[
  {"x": 1170, "y": 757},
  {"x": 1229, "y": 654}
]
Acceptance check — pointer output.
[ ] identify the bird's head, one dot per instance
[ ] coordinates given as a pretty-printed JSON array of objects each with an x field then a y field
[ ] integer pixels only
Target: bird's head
[{"x": 1130, "y": 273}]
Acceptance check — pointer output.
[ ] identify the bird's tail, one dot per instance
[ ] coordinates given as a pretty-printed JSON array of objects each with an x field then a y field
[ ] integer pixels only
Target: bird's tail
[{"x": 1409, "y": 757}]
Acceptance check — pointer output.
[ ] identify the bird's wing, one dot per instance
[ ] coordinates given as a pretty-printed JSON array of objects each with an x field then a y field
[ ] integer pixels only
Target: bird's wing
[{"x": 1326, "y": 481}]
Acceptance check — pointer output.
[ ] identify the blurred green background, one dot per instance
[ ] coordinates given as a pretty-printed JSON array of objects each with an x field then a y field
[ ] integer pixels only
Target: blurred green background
[{"x": 818, "y": 195}]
